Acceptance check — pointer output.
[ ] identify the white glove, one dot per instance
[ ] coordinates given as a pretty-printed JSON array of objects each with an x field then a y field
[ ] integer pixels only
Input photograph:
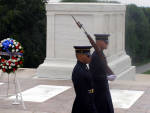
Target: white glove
[{"x": 111, "y": 77}]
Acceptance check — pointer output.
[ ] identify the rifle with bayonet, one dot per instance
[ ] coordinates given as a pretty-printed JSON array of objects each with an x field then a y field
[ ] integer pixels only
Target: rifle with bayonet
[{"x": 97, "y": 49}]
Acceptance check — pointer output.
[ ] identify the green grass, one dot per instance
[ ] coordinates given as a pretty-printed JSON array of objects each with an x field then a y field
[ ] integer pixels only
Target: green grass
[{"x": 147, "y": 72}]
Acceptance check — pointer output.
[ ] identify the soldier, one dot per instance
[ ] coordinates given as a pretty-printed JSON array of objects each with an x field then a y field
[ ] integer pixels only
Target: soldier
[
  {"x": 82, "y": 81},
  {"x": 100, "y": 76}
]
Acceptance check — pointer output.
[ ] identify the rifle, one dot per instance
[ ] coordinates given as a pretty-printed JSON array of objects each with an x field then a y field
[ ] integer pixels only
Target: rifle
[{"x": 97, "y": 49}]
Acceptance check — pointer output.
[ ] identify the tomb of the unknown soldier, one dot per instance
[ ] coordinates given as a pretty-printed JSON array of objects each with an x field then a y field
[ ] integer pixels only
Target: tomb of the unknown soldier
[{"x": 62, "y": 34}]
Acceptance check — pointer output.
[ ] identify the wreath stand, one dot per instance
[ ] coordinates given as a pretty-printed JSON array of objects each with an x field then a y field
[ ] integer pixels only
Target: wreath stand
[
  {"x": 17, "y": 86},
  {"x": 17, "y": 89}
]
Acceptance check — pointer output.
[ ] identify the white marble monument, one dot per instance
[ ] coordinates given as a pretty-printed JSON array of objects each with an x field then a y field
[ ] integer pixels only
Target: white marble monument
[{"x": 63, "y": 34}]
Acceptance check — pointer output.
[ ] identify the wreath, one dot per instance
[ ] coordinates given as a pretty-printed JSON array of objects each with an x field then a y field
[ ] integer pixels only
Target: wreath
[{"x": 11, "y": 55}]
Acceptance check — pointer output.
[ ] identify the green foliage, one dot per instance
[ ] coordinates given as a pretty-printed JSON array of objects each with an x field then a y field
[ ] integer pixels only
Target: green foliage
[
  {"x": 25, "y": 21},
  {"x": 138, "y": 33}
]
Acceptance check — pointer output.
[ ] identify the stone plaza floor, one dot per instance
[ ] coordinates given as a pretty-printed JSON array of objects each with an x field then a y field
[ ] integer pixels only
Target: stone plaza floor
[{"x": 57, "y": 96}]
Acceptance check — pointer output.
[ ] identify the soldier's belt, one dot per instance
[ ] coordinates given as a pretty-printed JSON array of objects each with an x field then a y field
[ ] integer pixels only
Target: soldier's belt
[{"x": 91, "y": 91}]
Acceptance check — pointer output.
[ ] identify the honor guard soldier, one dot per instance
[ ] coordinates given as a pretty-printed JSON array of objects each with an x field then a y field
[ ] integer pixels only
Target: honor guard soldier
[
  {"x": 82, "y": 81},
  {"x": 103, "y": 100}
]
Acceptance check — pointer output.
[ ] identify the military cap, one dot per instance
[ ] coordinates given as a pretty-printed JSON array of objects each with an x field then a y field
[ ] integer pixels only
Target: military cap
[
  {"x": 103, "y": 37},
  {"x": 82, "y": 49}
]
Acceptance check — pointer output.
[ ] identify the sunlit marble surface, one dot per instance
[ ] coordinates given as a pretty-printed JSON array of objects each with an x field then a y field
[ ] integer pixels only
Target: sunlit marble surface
[
  {"x": 121, "y": 98},
  {"x": 125, "y": 98},
  {"x": 42, "y": 93}
]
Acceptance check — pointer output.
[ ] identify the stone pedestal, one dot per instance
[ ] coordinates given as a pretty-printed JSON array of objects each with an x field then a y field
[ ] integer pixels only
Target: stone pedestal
[{"x": 63, "y": 34}]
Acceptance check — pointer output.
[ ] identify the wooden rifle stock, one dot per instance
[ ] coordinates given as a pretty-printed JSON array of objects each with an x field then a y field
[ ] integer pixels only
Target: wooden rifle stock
[{"x": 109, "y": 71}]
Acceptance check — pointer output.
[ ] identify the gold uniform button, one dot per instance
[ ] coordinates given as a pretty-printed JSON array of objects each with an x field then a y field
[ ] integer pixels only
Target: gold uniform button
[{"x": 91, "y": 91}]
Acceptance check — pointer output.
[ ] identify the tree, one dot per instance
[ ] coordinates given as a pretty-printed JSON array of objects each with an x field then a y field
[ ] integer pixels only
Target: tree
[
  {"x": 25, "y": 21},
  {"x": 137, "y": 34}
]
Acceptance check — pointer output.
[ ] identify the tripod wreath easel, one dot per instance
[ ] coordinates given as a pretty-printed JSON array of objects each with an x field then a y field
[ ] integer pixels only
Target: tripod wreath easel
[{"x": 11, "y": 58}]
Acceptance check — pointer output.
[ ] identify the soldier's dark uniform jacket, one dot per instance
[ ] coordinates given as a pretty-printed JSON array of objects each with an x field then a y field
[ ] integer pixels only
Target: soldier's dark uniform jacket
[
  {"x": 82, "y": 82},
  {"x": 103, "y": 99}
]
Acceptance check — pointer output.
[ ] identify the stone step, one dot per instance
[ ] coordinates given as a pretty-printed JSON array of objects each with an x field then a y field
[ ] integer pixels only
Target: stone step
[{"x": 17, "y": 111}]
